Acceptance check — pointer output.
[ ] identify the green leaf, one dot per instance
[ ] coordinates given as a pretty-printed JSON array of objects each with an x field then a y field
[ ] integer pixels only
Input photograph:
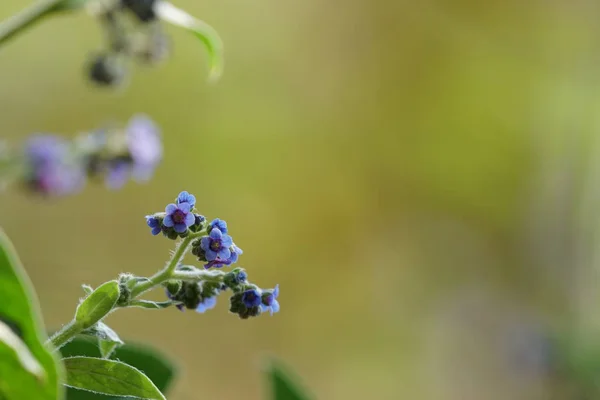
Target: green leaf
[
  {"x": 108, "y": 340},
  {"x": 152, "y": 305},
  {"x": 283, "y": 384},
  {"x": 206, "y": 33},
  {"x": 154, "y": 364},
  {"x": 19, "y": 311},
  {"x": 98, "y": 304},
  {"x": 21, "y": 375},
  {"x": 109, "y": 377}
]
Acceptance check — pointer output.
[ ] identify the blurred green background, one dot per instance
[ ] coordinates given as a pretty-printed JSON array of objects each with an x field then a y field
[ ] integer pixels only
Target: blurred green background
[{"x": 421, "y": 178}]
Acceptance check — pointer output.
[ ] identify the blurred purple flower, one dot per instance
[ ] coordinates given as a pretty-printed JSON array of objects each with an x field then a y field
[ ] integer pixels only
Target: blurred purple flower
[
  {"x": 207, "y": 303},
  {"x": 145, "y": 146},
  {"x": 52, "y": 168}
]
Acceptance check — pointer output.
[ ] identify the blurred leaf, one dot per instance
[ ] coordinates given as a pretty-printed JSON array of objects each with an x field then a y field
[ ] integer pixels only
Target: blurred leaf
[
  {"x": 108, "y": 340},
  {"x": 66, "y": 5},
  {"x": 109, "y": 377},
  {"x": 98, "y": 304},
  {"x": 284, "y": 385},
  {"x": 152, "y": 305},
  {"x": 19, "y": 313},
  {"x": 206, "y": 33},
  {"x": 22, "y": 376},
  {"x": 155, "y": 365}
]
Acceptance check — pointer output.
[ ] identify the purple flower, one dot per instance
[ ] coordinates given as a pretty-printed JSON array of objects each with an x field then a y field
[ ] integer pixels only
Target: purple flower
[
  {"x": 178, "y": 217},
  {"x": 52, "y": 168},
  {"x": 251, "y": 298},
  {"x": 144, "y": 145},
  {"x": 219, "y": 224},
  {"x": 185, "y": 197},
  {"x": 207, "y": 304},
  {"x": 216, "y": 245},
  {"x": 219, "y": 263},
  {"x": 269, "y": 301},
  {"x": 153, "y": 223}
]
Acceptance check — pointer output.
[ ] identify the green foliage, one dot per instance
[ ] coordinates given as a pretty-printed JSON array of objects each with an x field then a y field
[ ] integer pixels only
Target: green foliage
[
  {"x": 109, "y": 377},
  {"x": 95, "y": 306},
  {"x": 108, "y": 340},
  {"x": 22, "y": 377},
  {"x": 283, "y": 384},
  {"x": 155, "y": 365},
  {"x": 25, "y": 364}
]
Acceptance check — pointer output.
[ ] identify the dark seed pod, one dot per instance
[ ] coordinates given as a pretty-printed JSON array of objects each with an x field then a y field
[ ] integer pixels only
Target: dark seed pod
[{"x": 105, "y": 70}]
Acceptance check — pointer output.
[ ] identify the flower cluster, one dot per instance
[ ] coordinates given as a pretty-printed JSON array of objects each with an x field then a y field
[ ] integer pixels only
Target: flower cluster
[
  {"x": 54, "y": 166},
  {"x": 212, "y": 244},
  {"x": 134, "y": 33}
]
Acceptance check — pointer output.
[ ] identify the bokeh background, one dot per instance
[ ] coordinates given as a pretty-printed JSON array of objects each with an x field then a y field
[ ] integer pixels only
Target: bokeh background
[{"x": 421, "y": 178}]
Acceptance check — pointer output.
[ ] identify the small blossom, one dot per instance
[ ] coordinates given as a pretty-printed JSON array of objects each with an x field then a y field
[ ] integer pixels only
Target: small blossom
[
  {"x": 185, "y": 197},
  {"x": 269, "y": 301},
  {"x": 153, "y": 223},
  {"x": 178, "y": 217},
  {"x": 207, "y": 303},
  {"x": 216, "y": 245},
  {"x": 251, "y": 298},
  {"x": 219, "y": 224},
  {"x": 233, "y": 258}
]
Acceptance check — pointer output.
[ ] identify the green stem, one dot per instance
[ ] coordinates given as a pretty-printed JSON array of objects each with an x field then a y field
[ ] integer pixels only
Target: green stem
[
  {"x": 64, "y": 336},
  {"x": 167, "y": 273},
  {"x": 72, "y": 329},
  {"x": 26, "y": 18},
  {"x": 195, "y": 276}
]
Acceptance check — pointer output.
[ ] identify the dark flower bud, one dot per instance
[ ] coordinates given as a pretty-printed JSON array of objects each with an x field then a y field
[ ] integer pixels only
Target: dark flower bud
[
  {"x": 106, "y": 70},
  {"x": 234, "y": 278},
  {"x": 173, "y": 288},
  {"x": 143, "y": 9},
  {"x": 126, "y": 283},
  {"x": 199, "y": 222}
]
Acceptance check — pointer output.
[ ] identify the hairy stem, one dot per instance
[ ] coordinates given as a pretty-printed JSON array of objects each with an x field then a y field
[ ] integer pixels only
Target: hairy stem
[
  {"x": 26, "y": 18},
  {"x": 65, "y": 335},
  {"x": 167, "y": 272},
  {"x": 70, "y": 330}
]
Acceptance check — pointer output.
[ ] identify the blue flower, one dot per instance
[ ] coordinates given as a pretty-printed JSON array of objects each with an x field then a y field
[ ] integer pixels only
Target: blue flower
[
  {"x": 251, "y": 298},
  {"x": 185, "y": 197},
  {"x": 179, "y": 217},
  {"x": 216, "y": 245},
  {"x": 153, "y": 223},
  {"x": 219, "y": 263},
  {"x": 219, "y": 224},
  {"x": 269, "y": 301},
  {"x": 207, "y": 303}
]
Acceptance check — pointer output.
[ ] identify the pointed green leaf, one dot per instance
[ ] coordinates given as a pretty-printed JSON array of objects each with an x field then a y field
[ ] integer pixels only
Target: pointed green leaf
[
  {"x": 98, "y": 304},
  {"x": 155, "y": 365},
  {"x": 284, "y": 385},
  {"x": 108, "y": 340},
  {"x": 19, "y": 312},
  {"x": 206, "y": 33},
  {"x": 109, "y": 377}
]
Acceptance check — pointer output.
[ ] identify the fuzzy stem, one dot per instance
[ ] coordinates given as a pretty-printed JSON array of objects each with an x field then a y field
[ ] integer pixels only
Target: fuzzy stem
[
  {"x": 70, "y": 330},
  {"x": 166, "y": 273},
  {"x": 65, "y": 334},
  {"x": 26, "y": 18}
]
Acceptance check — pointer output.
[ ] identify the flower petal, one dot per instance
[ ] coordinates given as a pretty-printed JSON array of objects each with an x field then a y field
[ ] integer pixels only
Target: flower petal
[
  {"x": 171, "y": 208},
  {"x": 226, "y": 241},
  {"x": 224, "y": 253},
  {"x": 205, "y": 243},
  {"x": 185, "y": 207},
  {"x": 276, "y": 291},
  {"x": 168, "y": 221},
  {"x": 190, "y": 219},
  {"x": 156, "y": 230},
  {"x": 216, "y": 234},
  {"x": 274, "y": 307},
  {"x": 180, "y": 228},
  {"x": 210, "y": 254}
]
